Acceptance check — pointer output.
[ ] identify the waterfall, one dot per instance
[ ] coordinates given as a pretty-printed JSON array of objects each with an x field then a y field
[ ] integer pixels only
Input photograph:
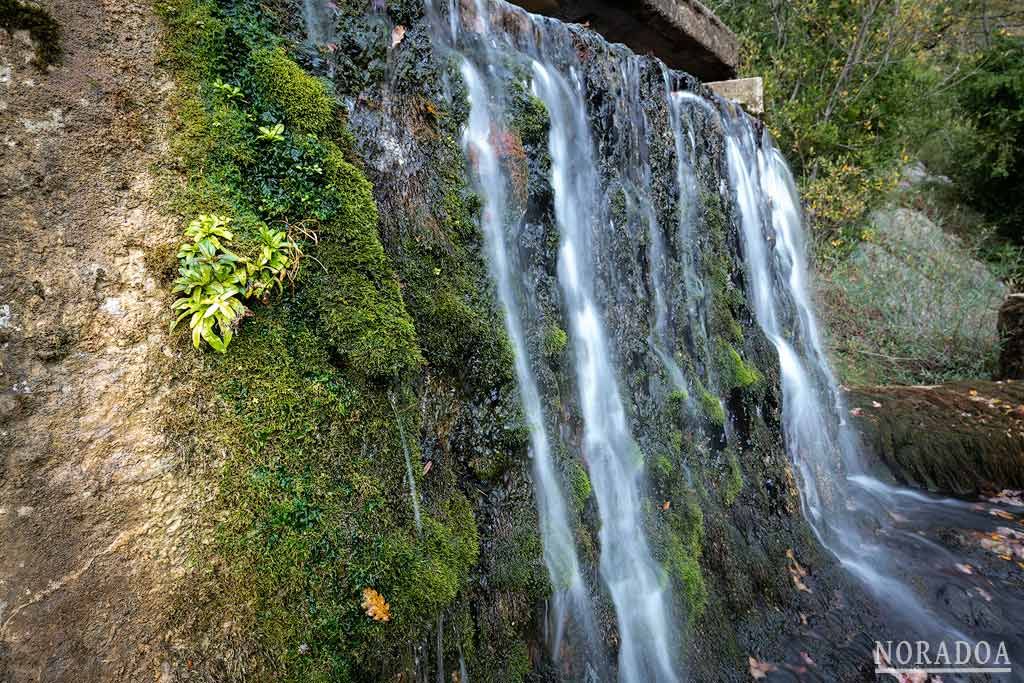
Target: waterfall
[
  {"x": 410, "y": 475},
  {"x": 648, "y": 642},
  {"x": 559, "y": 546},
  {"x": 608, "y": 141},
  {"x": 613, "y": 459},
  {"x": 851, "y": 512},
  {"x": 485, "y": 121}
]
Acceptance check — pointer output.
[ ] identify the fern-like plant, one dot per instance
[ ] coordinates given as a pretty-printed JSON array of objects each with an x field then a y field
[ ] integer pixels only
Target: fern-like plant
[{"x": 214, "y": 280}]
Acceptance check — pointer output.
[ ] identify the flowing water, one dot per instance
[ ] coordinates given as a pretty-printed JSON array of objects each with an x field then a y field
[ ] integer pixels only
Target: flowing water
[
  {"x": 884, "y": 535},
  {"x": 409, "y": 474}
]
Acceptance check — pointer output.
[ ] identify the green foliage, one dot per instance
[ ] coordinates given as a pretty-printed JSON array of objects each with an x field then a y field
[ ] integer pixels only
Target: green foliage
[
  {"x": 214, "y": 280},
  {"x": 273, "y": 133},
  {"x": 555, "y": 340},
  {"x": 991, "y": 158},
  {"x": 846, "y": 92},
  {"x": 18, "y": 15}
]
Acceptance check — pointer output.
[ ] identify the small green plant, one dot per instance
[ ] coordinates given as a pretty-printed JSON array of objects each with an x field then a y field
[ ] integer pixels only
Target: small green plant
[
  {"x": 215, "y": 280},
  {"x": 232, "y": 92},
  {"x": 273, "y": 133}
]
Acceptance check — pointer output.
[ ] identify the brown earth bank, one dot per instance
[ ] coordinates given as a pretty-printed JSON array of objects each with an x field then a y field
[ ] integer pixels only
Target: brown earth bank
[
  {"x": 89, "y": 499},
  {"x": 962, "y": 438}
]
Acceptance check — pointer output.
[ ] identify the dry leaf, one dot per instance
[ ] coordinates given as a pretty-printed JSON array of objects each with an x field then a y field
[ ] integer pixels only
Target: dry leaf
[
  {"x": 797, "y": 572},
  {"x": 667, "y": 505},
  {"x": 375, "y": 605},
  {"x": 427, "y": 466},
  {"x": 759, "y": 669},
  {"x": 965, "y": 568},
  {"x": 397, "y": 35},
  {"x": 876, "y": 404}
]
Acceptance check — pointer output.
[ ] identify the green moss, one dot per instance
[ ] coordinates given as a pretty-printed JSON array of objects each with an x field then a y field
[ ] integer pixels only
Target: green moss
[
  {"x": 18, "y": 15},
  {"x": 711, "y": 406},
  {"x": 530, "y": 118},
  {"x": 304, "y": 100},
  {"x": 733, "y": 370},
  {"x": 354, "y": 289},
  {"x": 734, "y": 479},
  {"x": 684, "y": 542},
  {"x": 676, "y": 400},
  {"x": 446, "y": 286},
  {"x": 555, "y": 340},
  {"x": 196, "y": 37},
  {"x": 312, "y": 501},
  {"x": 579, "y": 482}
]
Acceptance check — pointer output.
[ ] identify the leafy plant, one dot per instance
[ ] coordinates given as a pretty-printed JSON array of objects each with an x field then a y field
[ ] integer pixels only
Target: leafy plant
[
  {"x": 273, "y": 133},
  {"x": 215, "y": 280},
  {"x": 232, "y": 92}
]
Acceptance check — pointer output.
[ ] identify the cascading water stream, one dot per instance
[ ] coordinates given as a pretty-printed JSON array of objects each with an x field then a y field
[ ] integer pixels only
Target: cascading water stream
[
  {"x": 647, "y": 634},
  {"x": 410, "y": 475},
  {"x": 498, "y": 47},
  {"x": 851, "y": 512},
  {"x": 559, "y": 544}
]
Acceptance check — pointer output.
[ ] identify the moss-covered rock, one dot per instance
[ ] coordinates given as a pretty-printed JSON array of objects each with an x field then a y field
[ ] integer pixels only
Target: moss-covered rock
[
  {"x": 962, "y": 438},
  {"x": 304, "y": 99}
]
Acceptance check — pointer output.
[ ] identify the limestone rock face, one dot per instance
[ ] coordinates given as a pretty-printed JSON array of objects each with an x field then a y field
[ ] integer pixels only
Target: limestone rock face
[{"x": 1011, "y": 336}]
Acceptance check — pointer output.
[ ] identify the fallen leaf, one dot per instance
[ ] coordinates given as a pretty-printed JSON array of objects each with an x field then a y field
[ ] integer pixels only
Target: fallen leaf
[
  {"x": 807, "y": 659},
  {"x": 427, "y": 466},
  {"x": 1002, "y": 514},
  {"x": 759, "y": 669},
  {"x": 876, "y": 404},
  {"x": 375, "y": 605},
  {"x": 1009, "y": 497},
  {"x": 797, "y": 572},
  {"x": 972, "y": 392},
  {"x": 397, "y": 35},
  {"x": 965, "y": 568},
  {"x": 667, "y": 505},
  {"x": 984, "y": 593}
]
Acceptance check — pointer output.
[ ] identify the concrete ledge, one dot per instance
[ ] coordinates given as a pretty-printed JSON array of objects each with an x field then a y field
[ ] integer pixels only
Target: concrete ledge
[
  {"x": 684, "y": 34},
  {"x": 749, "y": 92}
]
